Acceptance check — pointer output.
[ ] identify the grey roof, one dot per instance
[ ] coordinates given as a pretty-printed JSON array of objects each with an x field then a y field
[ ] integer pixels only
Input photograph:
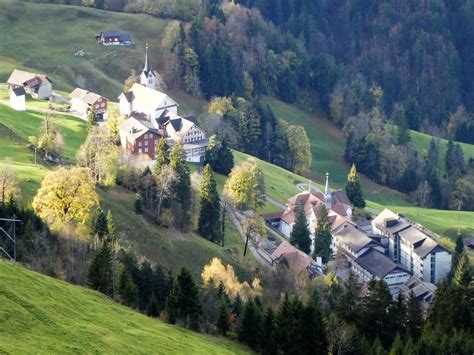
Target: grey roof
[
  {"x": 353, "y": 237},
  {"x": 123, "y": 36},
  {"x": 412, "y": 235},
  {"x": 19, "y": 91},
  {"x": 377, "y": 263},
  {"x": 340, "y": 196},
  {"x": 423, "y": 291}
]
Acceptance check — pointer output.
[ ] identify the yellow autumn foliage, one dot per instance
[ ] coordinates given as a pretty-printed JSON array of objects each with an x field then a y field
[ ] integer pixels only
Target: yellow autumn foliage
[{"x": 216, "y": 273}]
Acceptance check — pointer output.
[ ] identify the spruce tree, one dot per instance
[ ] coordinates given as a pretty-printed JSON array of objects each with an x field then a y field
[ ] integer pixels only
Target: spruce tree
[
  {"x": 223, "y": 317},
  {"x": 313, "y": 330},
  {"x": 323, "y": 236},
  {"x": 237, "y": 306},
  {"x": 209, "y": 216},
  {"x": 100, "y": 272},
  {"x": 181, "y": 186},
  {"x": 162, "y": 156},
  {"x": 354, "y": 188},
  {"x": 225, "y": 158},
  {"x": 397, "y": 346},
  {"x": 138, "y": 203},
  {"x": 249, "y": 325},
  {"x": 153, "y": 308},
  {"x": 414, "y": 321},
  {"x": 127, "y": 288},
  {"x": 268, "y": 333},
  {"x": 212, "y": 152},
  {"x": 300, "y": 234},
  {"x": 99, "y": 224},
  {"x": 183, "y": 304}
]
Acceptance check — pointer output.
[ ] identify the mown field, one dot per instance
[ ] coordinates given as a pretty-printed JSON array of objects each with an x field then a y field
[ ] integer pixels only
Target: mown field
[
  {"x": 42, "y": 315},
  {"x": 44, "y": 38}
]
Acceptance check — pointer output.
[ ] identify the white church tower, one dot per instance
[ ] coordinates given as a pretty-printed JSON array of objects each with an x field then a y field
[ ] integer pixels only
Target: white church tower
[
  {"x": 147, "y": 76},
  {"x": 327, "y": 194}
]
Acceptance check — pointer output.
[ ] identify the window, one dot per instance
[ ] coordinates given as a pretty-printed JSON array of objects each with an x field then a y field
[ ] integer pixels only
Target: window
[
  {"x": 146, "y": 150},
  {"x": 139, "y": 151},
  {"x": 140, "y": 143},
  {"x": 146, "y": 142}
]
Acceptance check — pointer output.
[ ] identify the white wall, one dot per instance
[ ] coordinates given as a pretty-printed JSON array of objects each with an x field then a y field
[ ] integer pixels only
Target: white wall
[
  {"x": 17, "y": 102},
  {"x": 45, "y": 90},
  {"x": 125, "y": 106}
]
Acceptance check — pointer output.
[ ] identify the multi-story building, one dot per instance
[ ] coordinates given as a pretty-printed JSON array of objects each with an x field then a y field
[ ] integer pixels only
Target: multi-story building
[{"x": 413, "y": 248}]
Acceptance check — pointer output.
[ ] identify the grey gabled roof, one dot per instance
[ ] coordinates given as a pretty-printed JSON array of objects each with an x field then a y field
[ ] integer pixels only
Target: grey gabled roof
[
  {"x": 377, "y": 263},
  {"x": 353, "y": 237}
]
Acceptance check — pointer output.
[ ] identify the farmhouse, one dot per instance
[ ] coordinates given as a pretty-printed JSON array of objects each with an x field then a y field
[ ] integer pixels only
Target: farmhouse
[
  {"x": 17, "y": 99},
  {"x": 39, "y": 86},
  {"x": 338, "y": 205},
  {"x": 413, "y": 248},
  {"x": 138, "y": 136},
  {"x": 83, "y": 102},
  {"x": 114, "y": 38}
]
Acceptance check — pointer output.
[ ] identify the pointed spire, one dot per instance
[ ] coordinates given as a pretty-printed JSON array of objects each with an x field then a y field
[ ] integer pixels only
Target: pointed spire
[
  {"x": 147, "y": 67},
  {"x": 327, "y": 191}
]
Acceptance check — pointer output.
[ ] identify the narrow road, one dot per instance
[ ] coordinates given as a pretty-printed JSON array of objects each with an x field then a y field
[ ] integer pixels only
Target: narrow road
[
  {"x": 44, "y": 110},
  {"x": 275, "y": 203}
]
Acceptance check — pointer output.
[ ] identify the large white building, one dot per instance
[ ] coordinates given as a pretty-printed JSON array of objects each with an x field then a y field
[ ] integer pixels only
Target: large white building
[
  {"x": 39, "y": 86},
  {"x": 158, "y": 112},
  {"x": 413, "y": 248}
]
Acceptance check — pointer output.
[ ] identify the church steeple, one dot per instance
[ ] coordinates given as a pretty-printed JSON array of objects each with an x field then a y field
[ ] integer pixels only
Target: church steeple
[
  {"x": 147, "y": 77},
  {"x": 327, "y": 194},
  {"x": 146, "y": 68}
]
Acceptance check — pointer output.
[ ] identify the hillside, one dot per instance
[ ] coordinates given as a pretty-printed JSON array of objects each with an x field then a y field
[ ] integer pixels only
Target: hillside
[
  {"x": 52, "y": 316},
  {"x": 67, "y": 30}
]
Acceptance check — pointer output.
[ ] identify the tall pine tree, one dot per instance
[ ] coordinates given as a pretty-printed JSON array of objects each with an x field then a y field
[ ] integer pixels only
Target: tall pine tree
[
  {"x": 209, "y": 216},
  {"x": 300, "y": 234},
  {"x": 162, "y": 156},
  {"x": 323, "y": 236},
  {"x": 100, "y": 272},
  {"x": 354, "y": 188},
  {"x": 181, "y": 187}
]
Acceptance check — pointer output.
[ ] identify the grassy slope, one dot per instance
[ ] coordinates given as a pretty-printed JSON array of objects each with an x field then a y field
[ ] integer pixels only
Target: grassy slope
[
  {"x": 47, "y": 36},
  {"x": 39, "y": 314}
]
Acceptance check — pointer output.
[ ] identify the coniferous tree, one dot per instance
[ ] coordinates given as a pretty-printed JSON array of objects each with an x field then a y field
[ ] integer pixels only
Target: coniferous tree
[
  {"x": 100, "y": 272},
  {"x": 138, "y": 204},
  {"x": 183, "y": 304},
  {"x": 99, "y": 224},
  {"x": 237, "y": 305},
  {"x": 397, "y": 346},
  {"x": 300, "y": 234},
  {"x": 268, "y": 333},
  {"x": 414, "y": 321},
  {"x": 354, "y": 188},
  {"x": 127, "y": 288},
  {"x": 313, "y": 330},
  {"x": 162, "y": 156},
  {"x": 346, "y": 306},
  {"x": 181, "y": 186},
  {"x": 323, "y": 236},
  {"x": 212, "y": 152},
  {"x": 249, "y": 325},
  {"x": 223, "y": 317},
  {"x": 209, "y": 216},
  {"x": 153, "y": 308},
  {"x": 225, "y": 158}
]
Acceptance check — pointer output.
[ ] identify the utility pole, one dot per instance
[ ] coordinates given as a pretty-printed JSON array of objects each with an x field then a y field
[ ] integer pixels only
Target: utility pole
[{"x": 10, "y": 238}]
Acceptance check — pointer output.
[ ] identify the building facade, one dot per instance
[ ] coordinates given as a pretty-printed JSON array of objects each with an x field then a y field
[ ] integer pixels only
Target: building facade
[
  {"x": 17, "y": 99},
  {"x": 83, "y": 102},
  {"x": 38, "y": 86}
]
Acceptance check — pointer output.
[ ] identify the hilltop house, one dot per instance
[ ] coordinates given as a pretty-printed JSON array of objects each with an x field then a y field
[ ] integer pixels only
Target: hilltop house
[
  {"x": 83, "y": 102},
  {"x": 138, "y": 136},
  {"x": 413, "y": 248},
  {"x": 17, "y": 99},
  {"x": 158, "y": 113},
  {"x": 39, "y": 86},
  {"x": 114, "y": 38},
  {"x": 337, "y": 204}
]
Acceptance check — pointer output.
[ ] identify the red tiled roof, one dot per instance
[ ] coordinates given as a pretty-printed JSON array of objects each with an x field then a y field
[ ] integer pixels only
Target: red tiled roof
[{"x": 297, "y": 260}]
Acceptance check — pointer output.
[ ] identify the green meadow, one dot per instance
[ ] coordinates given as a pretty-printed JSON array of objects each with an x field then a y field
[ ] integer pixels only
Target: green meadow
[{"x": 42, "y": 315}]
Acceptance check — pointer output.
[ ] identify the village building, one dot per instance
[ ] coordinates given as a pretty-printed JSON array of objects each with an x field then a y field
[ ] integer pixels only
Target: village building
[
  {"x": 296, "y": 260},
  {"x": 413, "y": 248},
  {"x": 38, "y": 86},
  {"x": 83, "y": 102},
  {"x": 375, "y": 265},
  {"x": 159, "y": 113},
  {"x": 337, "y": 204},
  {"x": 114, "y": 38},
  {"x": 423, "y": 292},
  {"x": 17, "y": 99},
  {"x": 138, "y": 136},
  {"x": 353, "y": 242}
]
